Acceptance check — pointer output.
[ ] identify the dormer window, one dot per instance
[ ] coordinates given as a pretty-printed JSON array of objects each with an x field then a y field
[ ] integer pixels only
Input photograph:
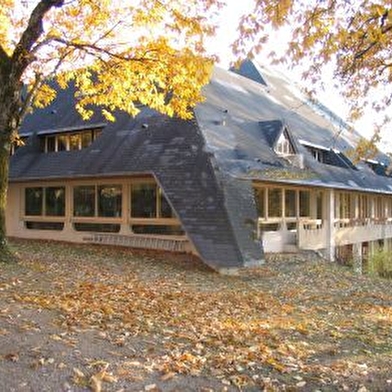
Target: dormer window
[
  {"x": 377, "y": 167},
  {"x": 317, "y": 154},
  {"x": 283, "y": 145},
  {"x": 69, "y": 141},
  {"x": 328, "y": 156}
]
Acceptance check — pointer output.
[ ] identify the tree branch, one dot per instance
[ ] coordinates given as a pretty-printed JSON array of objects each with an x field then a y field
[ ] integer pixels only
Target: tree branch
[
  {"x": 94, "y": 50},
  {"x": 21, "y": 56}
]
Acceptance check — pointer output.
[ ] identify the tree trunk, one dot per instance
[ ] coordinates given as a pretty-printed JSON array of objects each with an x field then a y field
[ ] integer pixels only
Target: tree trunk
[
  {"x": 9, "y": 122},
  {"x": 5, "y": 253}
]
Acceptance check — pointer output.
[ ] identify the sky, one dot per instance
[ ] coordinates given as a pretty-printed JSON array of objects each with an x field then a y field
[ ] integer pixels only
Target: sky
[{"x": 330, "y": 97}]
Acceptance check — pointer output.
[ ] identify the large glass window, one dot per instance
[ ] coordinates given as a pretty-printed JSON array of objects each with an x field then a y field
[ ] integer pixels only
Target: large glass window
[
  {"x": 290, "y": 203},
  {"x": 48, "y": 201},
  {"x": 34, "y": 201},
  {"x": 148, "y": 201},
  {"x": 103, "y": 201},
  {"x": 84, "y": 200},
  {"x": 109, "y": 200},
  {"x": 304, "y": 203},
  {"x": 143, "y": 200},
  {"x": 274, "y": 202},
  {"x": 259, "y": 198},
  {"x": 55, "y": 201}
]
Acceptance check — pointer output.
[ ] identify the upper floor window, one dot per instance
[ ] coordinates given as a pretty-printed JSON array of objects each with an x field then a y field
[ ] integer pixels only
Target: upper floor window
[
  {"x": 283, "y": 145},
  {"x": 69, "y": 141},
  {"x": 317, "y": 154}
]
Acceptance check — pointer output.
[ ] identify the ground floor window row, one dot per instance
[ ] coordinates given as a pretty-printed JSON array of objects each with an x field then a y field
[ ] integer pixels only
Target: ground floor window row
[
  {"x": 45, "y": 206},
  {"x": 279, "y": 206}
]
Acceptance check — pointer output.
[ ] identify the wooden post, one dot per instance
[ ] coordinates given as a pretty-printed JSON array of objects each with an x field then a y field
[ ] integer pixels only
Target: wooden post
[{"x": 330, "y": 223}]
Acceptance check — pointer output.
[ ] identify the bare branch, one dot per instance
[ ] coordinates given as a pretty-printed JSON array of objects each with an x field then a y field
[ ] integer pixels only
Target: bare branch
[
  {"x": 94, "y": 50},
  {"x": 21, "y": 56},
  {"x": 26, "y": 103}
]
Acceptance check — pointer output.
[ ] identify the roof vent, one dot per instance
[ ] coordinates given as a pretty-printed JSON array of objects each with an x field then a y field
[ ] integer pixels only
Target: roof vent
[{"x": 144, "y": 126}]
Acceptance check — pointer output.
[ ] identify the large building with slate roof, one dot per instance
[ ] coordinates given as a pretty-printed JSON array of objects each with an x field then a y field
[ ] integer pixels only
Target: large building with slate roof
[{"x": 259, "y": 169}]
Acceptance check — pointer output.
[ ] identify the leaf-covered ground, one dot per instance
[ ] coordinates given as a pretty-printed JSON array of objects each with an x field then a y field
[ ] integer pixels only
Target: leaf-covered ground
[{"x": 81, "y": 317}]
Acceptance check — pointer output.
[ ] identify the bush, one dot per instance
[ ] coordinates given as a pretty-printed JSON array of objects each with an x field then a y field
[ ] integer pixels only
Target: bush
[{"x": 380, "y": 263}]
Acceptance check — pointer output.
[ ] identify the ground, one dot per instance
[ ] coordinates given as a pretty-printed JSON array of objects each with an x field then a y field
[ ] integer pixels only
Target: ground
[{"x": 83, "y": 317}]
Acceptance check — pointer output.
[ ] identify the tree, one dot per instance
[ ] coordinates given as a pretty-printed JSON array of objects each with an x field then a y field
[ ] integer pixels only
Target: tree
[
  {"x": 354, "y": 36},
  {"x": 117, "y": 55}
]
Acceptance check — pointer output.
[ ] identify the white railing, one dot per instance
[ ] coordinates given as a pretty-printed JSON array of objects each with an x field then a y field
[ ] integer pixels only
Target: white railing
[{"x": 312, "y": 234}]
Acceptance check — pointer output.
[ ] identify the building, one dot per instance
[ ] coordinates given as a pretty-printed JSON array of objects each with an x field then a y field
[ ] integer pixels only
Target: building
[{"x": 260, "y": 168}]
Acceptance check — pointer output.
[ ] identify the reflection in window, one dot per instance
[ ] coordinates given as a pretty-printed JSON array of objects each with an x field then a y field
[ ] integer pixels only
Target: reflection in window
[
  {"x": 143, "y": 200},
  {"x": 84, "y": 201},
  {"x": 109, "y": 202},
  {"x": 274, "y": 202},
  {"x": 75, "y": 141},
  {"x": 55, "y": 201},
  {"x": 61, "y": 143},
  {"x": 148, "y": 201},
  {"x": 304, "y": 203},
  {"x": 33, "y": 201},
  {"x": 45, "y": 201},
  {"x": 166, "y": 210},
  {"x": 103, "y": 201},
  {"x": 290, "y": 202},
  {"x": 259, "y": 198},
  {"x": 69, "y": 141}
]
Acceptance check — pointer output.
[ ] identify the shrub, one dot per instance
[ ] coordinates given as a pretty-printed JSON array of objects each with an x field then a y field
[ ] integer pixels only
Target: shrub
[{"x": 380, "y": 263}]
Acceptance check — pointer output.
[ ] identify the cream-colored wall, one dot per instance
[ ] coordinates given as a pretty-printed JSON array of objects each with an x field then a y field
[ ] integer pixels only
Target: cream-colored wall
[{"x": 15, "y": 219}]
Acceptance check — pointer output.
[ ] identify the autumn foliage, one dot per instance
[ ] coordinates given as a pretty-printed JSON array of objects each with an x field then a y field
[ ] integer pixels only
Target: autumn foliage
[{"x": 354, "y": 37}]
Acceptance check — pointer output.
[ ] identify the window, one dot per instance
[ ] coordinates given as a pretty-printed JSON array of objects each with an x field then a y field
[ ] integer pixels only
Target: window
[
  {"x": 34, "y": 201},
  {"x": 44, "y": 202},
  {"x": 290, "y": 202},
  {"x": 69, "y": 141},
  {"x": 102, "y": 201},
  {"x": 274, "y": 202},
  {"x": 55, "y": 201},
  {"x": 344, "y": 203},
  {"x": 109, "y": 200},
  {"x": 84, "y": 201},
  {"x": 318, "y": 155},
  {"x": 283, "y": 145},
  {"x": 304, "y": 203},
  {"x": 143, "y": 200},
  {"x": 148, "y": 201},
  {"x": 259, "y": 197},
  {"x": 48, "y": 201}
]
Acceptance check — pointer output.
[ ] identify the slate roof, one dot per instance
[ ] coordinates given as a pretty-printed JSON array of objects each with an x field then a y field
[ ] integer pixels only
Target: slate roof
[{"x": 206, "y": 166}]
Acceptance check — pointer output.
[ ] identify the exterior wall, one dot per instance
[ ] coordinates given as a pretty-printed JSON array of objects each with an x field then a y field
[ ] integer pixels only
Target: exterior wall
[{"x": 16, "y": 219}]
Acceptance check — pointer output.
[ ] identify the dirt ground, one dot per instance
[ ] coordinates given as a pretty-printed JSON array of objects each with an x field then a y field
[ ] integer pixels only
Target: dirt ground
[{"x": 82, "y": 317}]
